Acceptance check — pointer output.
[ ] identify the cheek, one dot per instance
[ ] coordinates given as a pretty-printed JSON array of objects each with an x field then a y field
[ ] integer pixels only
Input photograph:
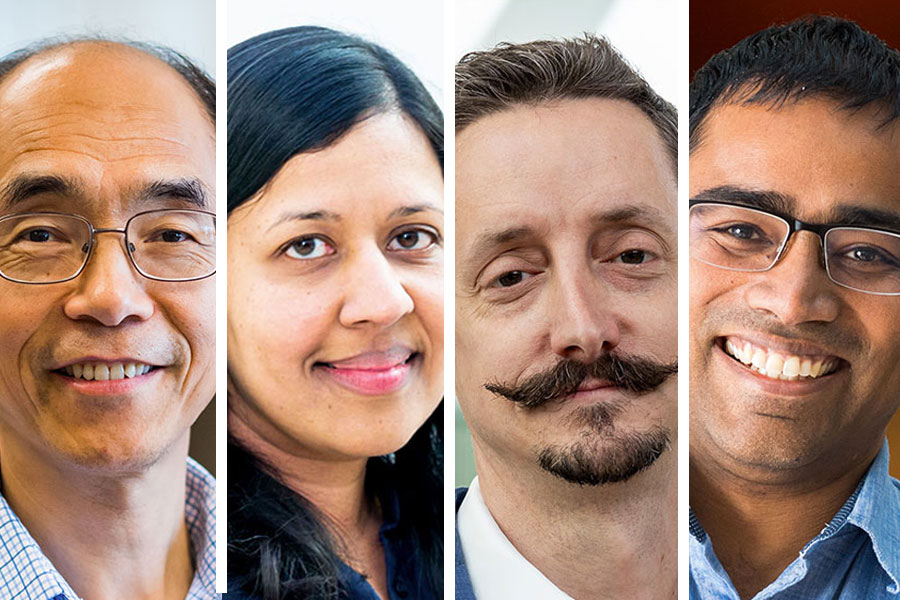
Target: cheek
[
  {"x": 26, "y": 313},
  {"x": 427, "y": 292},
  {"x": 193, "y": 315},
  {"x": 274, "y": 324}
]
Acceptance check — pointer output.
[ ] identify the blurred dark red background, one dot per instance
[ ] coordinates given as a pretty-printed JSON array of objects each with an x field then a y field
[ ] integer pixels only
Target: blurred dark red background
[{"x": 719, "y": 24}]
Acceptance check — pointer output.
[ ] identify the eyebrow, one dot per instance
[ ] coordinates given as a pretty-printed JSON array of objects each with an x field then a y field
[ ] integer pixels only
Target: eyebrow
[
  {"x": 785, "y": 206},
  {"x": 766, "y": 200},
  {"x": 485, "y": 242},
  {"x": 188, "y": 189},
  {"x": 312, "y": 215},
  {"x": 24, "y": 187},
  {"x": 405, "y": 211},
  {"x": 327, "y": 215},
  {"x": 867, "y": 217}
]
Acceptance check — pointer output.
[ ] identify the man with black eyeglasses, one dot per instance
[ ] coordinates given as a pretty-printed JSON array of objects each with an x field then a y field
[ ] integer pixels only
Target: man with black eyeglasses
[
  {"x": 795, "y": 316},
  {"x": 107, "y": 335}
]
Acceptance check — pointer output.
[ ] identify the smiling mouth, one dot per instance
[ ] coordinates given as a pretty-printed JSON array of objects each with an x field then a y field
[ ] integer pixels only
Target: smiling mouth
[
  {"x": 368, "y": 366},
  {"x": 100, "y": 371},
  {"x": 778, "y": 364}
]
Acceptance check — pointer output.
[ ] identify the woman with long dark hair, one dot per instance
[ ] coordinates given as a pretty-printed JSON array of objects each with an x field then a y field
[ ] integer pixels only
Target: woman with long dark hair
[{"x": 335, "y": 321}]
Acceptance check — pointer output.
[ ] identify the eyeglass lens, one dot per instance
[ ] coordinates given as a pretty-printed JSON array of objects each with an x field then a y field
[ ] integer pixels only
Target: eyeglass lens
[
  {"x": 744, "y": 239},
  {"x": 166, "y": 244}
]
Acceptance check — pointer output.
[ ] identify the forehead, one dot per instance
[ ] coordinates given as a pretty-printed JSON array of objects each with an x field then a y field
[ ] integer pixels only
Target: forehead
[
  {"x": 383, "y": 162},
  {"x": 107, "y": 116},
  {"x": 561, "y": 162},
  {"x": 812, "y": 151}
]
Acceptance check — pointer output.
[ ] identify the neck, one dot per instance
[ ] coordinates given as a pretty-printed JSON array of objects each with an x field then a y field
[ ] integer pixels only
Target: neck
[
  {"x": 759, "y": 525},
  {"x": 609, "y": 541},
  {"x": 336, "y": 487},
  {"x": 109, "y": 535}
]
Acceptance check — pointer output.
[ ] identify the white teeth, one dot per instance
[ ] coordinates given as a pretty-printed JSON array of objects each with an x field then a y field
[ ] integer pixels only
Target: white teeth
[
  {"x": 106, "y": 371},
  {"x": 791, "y": 366},
  {"x": 774, "y": 364},
  {"x": 101, "y": 373},
  {"x": 778, "y": 366}
]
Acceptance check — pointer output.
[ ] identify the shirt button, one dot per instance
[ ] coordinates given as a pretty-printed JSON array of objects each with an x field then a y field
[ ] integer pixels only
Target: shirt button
[{"x": 401, "y": 589}]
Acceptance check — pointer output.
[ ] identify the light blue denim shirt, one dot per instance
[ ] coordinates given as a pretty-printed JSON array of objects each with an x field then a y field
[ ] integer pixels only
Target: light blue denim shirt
[{"x": 855, "y": 557}]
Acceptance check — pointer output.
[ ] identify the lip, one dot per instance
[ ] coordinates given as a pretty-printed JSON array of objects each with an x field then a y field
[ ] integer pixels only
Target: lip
[
  {"x": 777, "y": 387},
  {"x": 116, "y": 387},
  {"x": 372, "y": 373}
]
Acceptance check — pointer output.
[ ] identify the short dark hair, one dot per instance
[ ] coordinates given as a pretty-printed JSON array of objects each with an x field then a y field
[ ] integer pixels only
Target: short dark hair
[
  {"x": 813, "y": 56},
  {"x": 587, "y": 67},
  {"x": 300, "y": 89},
  {"x": 200, "y": 82}
]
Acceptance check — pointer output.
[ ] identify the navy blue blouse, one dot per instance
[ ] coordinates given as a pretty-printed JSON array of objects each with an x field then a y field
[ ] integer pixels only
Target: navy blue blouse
[{"x": 402, "y": 562}]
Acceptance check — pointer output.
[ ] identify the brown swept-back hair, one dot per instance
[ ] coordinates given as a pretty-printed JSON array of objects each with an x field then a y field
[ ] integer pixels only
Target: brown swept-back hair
[{"x": 538, "y": 72}]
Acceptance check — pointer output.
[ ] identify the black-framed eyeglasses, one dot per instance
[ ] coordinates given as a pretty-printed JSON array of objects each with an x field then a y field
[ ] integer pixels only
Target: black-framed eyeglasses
[
  {"x": 163, "y": 245},
  {"x": 739, "y": 238}
]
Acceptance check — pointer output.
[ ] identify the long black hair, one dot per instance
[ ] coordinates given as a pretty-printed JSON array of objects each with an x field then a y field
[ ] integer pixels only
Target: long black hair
[{"x": 292, "y": 91}]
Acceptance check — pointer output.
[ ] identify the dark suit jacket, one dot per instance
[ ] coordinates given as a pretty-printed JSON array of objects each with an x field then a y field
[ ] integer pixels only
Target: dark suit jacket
[{"x": 463, "y": 585}]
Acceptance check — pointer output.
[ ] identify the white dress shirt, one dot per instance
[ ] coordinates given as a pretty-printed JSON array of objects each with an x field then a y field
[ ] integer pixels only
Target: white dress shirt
[{"x": 496, "y": 569}]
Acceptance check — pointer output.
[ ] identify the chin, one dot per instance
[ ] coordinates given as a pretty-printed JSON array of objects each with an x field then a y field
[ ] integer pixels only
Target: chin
[{"x": 111, "y": 455}]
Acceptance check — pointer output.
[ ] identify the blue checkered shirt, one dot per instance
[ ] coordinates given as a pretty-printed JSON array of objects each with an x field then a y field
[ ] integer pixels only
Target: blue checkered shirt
[
  {"x": 855, "y": 557},
  {"x": 26, "y": 574}
]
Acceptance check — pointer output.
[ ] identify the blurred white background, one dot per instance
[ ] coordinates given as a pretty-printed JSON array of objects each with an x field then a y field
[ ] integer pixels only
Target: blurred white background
[
  {"x": 188, "y": 26},
  {"x": 642, "y": 30},
  {"x": 413, "y": 30}
]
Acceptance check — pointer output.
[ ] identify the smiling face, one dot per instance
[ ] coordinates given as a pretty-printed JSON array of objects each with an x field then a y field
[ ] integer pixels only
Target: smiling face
[
  {"x": 566, "y": 250},
  {"x": 823, "y": 165},
  {"x": 335, "y": 297},
  {"x": 105, "y": 132}
]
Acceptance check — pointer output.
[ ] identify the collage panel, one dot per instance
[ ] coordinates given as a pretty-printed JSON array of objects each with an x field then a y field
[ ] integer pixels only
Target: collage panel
[
  {"x": 794, "y": 228},
  {"x": 335, "y": 301},
  {"x": 566, "y": 301},
  {"x": 107, "y": 300}
]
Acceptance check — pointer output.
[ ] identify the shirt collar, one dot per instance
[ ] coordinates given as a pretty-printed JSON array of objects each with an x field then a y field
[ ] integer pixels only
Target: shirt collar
[
  {"x": 25, "y": 572},
  {"x": 496, "y": 568},
  {"x": 875, "y": 512},
  {"x": 873, "y": 507}
]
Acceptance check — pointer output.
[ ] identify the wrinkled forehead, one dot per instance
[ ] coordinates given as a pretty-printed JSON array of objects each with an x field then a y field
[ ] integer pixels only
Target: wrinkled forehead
[
  {"x": 562, "y": 168},
  {"x": 106, "y": 116}
]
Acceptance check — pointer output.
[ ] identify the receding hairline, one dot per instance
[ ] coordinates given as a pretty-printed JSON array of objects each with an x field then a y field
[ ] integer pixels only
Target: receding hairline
[{"x": 196, "y": 80}]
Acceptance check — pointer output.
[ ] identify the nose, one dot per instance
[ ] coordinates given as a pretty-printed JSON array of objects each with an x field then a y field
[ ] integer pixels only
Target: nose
[
  {"x": 797, "y": 288},
  {"x": 374, "y": 293},
  {"x": 583, "y": 324},
  {"x": 109, "y": 290}
]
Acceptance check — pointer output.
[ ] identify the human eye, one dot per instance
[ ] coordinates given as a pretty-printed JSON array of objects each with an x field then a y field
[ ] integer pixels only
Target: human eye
[
  {"x": 308, "y": 248},
  {"x": 172, "y": 236},
  {"x": 744, "y": 232},
  {"x": 38, "y": 235},
  {"x": 635, "y": 256},
  {"x": 416, "y": 239},
  {"x": 510, "y": 279},
  {"x": 868, "y": 257}
]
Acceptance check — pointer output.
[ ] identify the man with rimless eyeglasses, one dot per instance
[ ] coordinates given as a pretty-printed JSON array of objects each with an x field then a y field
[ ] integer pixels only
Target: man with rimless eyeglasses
[
  {"x": 107, "y": 343},
  {"x": 795, "y": 316}
]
